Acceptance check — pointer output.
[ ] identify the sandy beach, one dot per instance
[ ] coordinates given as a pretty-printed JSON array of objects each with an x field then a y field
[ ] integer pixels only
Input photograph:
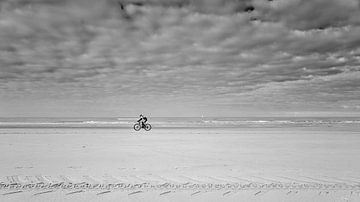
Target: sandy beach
[
  {"x": 176, "y": 164},
  {"x": 249, "y": 100}
]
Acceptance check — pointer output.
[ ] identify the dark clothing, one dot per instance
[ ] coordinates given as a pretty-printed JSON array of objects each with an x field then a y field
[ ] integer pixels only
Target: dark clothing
[{"x": 142, "y": 121}]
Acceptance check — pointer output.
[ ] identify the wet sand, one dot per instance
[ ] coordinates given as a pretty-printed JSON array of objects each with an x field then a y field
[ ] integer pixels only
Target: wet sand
[{"x": 204, "y": 164}]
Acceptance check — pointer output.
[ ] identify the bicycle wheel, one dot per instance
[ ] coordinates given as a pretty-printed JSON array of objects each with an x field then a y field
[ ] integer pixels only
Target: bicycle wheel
[
  {"x": 137, "y": 127},
  {"x": 147, "y": 127}
]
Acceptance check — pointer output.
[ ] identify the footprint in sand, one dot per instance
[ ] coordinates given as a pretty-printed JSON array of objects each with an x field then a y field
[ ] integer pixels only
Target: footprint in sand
[
  {"x": 22, "y": 167},
  {"x": 75, "y": 167}
]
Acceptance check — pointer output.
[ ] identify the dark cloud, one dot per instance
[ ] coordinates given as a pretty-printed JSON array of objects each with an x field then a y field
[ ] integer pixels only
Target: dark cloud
[
  {"x": 201, "y": 6},
  {"x": 316, "y": 14},
  {"x": 182, "y": 52}
]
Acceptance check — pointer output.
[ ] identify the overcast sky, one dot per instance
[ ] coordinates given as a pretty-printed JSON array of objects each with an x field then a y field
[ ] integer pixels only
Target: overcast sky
[{"x": 179, "y": 58}]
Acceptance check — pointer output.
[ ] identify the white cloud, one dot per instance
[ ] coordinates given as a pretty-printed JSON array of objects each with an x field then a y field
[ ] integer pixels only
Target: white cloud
[{"x": 195, "y": 54}]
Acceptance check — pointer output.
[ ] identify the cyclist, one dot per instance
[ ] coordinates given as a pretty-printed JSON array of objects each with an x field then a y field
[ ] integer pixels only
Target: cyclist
[{"x": 142, "y": 120}]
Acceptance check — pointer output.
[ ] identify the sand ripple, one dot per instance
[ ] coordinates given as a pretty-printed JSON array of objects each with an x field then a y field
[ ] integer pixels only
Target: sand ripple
[{"x": 46, "y": 185}]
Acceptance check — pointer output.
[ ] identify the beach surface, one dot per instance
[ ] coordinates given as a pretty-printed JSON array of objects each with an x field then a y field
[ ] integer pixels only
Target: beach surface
[{"x": 319, "y": 163}]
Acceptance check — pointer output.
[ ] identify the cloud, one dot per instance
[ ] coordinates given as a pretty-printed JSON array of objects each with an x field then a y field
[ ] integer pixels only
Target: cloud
[
  {"x": 306, "y": 15},
  {"x": 280, "y": 53}
]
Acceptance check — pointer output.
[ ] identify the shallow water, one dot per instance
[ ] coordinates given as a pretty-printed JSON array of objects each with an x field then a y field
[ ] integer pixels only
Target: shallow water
[{"x": 180, "y": 122}]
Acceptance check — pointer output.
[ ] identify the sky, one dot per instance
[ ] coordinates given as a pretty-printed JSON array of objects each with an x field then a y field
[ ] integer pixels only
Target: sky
[{"x": 179, "y": 58}]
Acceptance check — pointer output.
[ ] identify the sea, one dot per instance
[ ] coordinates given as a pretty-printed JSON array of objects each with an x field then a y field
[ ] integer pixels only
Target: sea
[{"x": 177, "y": 122}]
